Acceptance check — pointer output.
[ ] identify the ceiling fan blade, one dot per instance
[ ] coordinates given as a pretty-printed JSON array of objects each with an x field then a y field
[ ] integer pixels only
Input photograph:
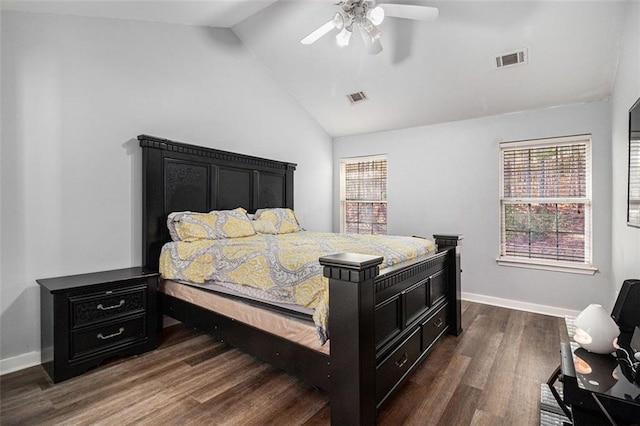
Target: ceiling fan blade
[
  {"x": 409, "y": 11},
  {"x": 319, "y": 32}
]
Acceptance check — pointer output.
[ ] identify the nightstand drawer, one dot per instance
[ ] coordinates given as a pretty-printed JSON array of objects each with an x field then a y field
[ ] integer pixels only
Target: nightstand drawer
[
  {"x": 105, "y": 336},
  {"x": 108, "y": 304}
]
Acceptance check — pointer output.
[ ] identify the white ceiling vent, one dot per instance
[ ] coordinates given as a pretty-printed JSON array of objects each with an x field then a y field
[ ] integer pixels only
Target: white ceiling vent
[
  {"x": 357, "y": 97},
  {"x": 510, "y": 59}
]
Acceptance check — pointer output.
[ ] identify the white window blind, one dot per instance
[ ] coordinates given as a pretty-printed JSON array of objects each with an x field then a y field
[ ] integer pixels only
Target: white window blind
[
  {"x": 634, "y": 179},
  {"x": 363, "y": 195},
  {"x": 545, "y": 200}
]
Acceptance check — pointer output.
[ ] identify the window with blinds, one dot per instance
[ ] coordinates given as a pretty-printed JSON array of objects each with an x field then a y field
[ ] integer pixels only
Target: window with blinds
[
  {"x": 633, "y": 212},
  {"x": 545, "y": 200},
  {"x": 363, "y": 195}
]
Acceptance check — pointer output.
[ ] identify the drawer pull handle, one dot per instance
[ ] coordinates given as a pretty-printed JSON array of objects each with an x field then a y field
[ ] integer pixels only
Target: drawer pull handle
[
  {"x": 100, "y": 336},
  {"x": 102, "y": 308},
  {"x": 402, "y": 361},
  {"x": 438, "y": 323}
]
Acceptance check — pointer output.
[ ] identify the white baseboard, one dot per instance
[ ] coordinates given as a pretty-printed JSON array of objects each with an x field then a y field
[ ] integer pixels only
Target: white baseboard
[
  {"x": 520, "y": 306},
  {"x": 19, "y": 362}
]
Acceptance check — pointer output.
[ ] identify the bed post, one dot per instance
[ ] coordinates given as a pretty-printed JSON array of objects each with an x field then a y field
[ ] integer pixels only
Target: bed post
[
  {"x": 353, "y": 346},
  {"x": 453, "y": 243}
]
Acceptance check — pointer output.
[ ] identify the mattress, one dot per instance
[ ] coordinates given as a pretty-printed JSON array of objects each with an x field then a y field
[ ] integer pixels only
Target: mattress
[
  {"x": 231, "y": 290},
  {"x": 281, "y": 268},
  {"x": 289, "y": 327}
]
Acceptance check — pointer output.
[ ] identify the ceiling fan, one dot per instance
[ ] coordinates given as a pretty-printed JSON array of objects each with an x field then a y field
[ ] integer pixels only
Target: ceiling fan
[{"x": 366, "y": 15}]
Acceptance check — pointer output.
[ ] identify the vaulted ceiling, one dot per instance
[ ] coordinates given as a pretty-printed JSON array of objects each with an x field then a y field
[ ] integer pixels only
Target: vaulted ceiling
[{"x": 428, "y": 72}]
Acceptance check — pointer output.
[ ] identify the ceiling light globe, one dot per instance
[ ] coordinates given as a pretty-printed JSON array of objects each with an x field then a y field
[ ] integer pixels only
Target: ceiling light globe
[
  {"x": 374, "y": 33},
  {"x": 338, "y": 21},
  {"x": 343, "y": 37},
  {"x": 376, "y": 15}
]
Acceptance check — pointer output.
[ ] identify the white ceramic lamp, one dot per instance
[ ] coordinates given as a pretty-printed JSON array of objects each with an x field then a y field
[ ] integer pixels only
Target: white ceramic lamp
[{"x": 596, "y": 330}]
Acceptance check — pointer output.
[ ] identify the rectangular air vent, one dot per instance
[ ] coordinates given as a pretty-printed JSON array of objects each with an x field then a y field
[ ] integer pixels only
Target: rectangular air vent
[
  {"x": 510, "y": 59},
  {"x": 354, "y": 98}
]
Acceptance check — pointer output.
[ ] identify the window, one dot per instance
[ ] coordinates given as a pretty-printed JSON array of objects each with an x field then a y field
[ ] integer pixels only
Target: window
[
  {"x": 545, "y": 204},
  {"x": 633, "y": 213},
  {"x": 633, "y": 192},
  {"x": 363, "y": 195}
]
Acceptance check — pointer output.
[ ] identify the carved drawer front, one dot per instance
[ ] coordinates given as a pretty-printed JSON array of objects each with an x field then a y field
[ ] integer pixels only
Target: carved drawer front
[
  {"x": 103, "y": 337},
  {"x": 107, "y": 304},
  {"x": 395, "y": 366},
  {"x": 434, "y": 326},
  {"x": 438, "y": 287}
]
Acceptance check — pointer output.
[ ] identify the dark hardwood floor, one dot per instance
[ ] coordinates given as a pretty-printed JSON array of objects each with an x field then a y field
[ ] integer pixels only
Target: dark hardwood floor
[{"x": 491, "y": 375}]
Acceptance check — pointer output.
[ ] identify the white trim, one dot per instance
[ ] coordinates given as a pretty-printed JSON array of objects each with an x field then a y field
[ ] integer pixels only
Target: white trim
[
  {"x": 364, "y": 158},
  {"x": 30, "y": 359},
  {"x": 545, "y": 200},
  {"x": 19, "y": 362},
  {"x": 518, "y": 305},
  {"x": 545, "y": 142},
  {"x": 573, "y": 268}
]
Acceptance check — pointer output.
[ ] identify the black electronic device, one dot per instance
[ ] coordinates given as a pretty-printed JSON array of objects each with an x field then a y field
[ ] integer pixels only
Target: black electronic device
[
  {"x": 626, "y": 311},
  {"x": 628, "y": 357},
  {"x": 635, "y": 340}
]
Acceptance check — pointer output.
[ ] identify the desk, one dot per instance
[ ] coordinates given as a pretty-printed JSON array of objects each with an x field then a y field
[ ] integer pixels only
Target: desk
[{"x": 592, "y": 382}]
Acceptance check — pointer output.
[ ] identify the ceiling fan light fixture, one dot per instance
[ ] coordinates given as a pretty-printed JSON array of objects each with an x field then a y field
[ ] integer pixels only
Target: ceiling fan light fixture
[
  {"x": 376, "y": 15},
  {"x": 343, "y": 37},
  {"x": 367, "y": 16},
  {"x": 372, "y": 31},
  {"x": 372, "y": 44},
  {"x": 338, "y": 20}
]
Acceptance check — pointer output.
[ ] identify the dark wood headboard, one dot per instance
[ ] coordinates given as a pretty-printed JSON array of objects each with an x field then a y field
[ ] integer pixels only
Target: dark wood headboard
[{"x": 181, "y": 177}]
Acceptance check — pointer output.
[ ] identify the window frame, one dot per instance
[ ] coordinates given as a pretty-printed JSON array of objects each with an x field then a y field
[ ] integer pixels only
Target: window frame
[
  {"x": 585, "y": 267},
  {"x": 353, "y": 160}
]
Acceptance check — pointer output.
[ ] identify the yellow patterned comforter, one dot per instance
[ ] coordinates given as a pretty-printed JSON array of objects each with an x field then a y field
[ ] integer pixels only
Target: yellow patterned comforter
[{"x": 281, "y": 268}]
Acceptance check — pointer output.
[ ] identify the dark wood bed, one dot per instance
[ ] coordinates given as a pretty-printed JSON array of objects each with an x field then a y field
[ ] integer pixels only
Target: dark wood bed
[{"x": 382, "y": 325}]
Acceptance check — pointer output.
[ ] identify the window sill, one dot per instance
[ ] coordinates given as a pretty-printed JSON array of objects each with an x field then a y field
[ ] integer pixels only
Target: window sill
[{"x": 572, "y": 268}]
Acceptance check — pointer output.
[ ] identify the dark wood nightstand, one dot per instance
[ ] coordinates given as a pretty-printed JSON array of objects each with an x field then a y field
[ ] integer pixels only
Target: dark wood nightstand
[{"x": 88, "y": 318}]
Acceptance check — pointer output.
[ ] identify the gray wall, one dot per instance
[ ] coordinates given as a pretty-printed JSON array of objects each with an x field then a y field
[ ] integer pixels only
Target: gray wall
[
  {"x": 75, "y": 94},
  {"x": 625, "y": 239},
  {"x": 444, "y": 178}
]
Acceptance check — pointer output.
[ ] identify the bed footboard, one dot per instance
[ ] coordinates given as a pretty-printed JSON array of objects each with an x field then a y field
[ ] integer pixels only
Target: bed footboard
[{"x": 383, "y": 326}]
